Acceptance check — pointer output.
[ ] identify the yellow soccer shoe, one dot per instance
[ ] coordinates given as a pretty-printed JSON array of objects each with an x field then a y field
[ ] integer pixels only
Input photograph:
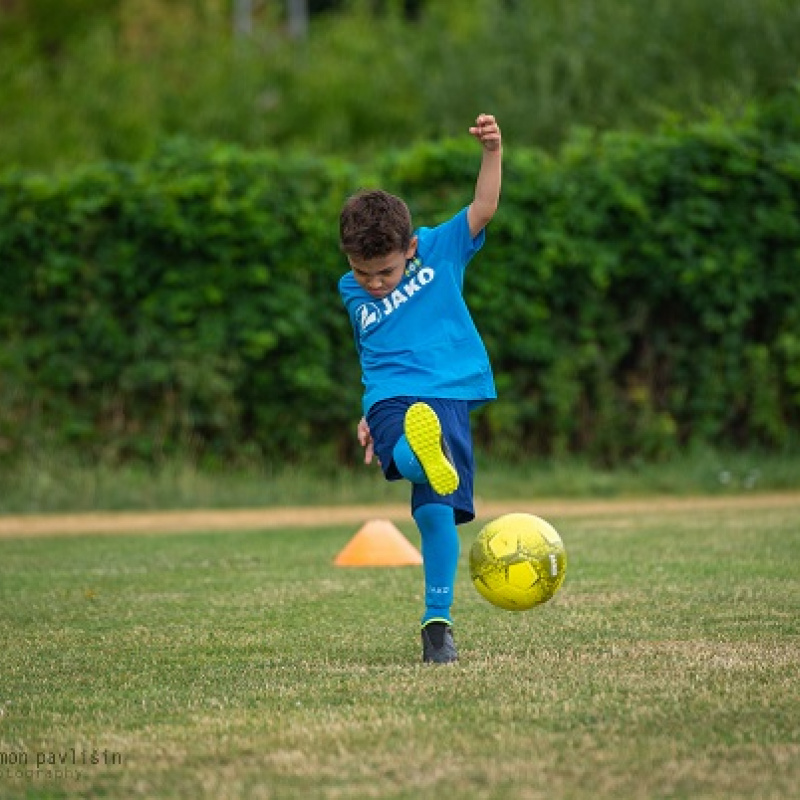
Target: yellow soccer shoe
[{"x": 424, "y": 433}]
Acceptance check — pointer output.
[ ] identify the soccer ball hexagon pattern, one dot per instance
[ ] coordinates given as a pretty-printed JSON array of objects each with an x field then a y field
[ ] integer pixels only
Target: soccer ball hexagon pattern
[{"x": 518, "y": 561}]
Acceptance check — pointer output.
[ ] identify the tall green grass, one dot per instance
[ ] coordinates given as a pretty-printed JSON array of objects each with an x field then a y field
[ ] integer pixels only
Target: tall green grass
[
  {"x": 59, "y": 482},
  {"x": 116, "y": 81},
  {"x": 246, "y": 665}
]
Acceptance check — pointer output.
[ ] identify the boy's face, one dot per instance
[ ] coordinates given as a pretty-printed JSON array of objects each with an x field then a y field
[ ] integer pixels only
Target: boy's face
[{"x": 380, "y": 276}]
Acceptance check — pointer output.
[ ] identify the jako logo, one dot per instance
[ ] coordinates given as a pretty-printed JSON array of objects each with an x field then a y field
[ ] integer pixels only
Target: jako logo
[
  {"x": 368, "y": 314},
  {"x": 409, "y": 289}
]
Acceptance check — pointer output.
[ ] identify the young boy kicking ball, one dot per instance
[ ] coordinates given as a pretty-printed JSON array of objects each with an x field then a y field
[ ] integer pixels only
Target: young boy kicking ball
[{"x": 424, "y": 366}]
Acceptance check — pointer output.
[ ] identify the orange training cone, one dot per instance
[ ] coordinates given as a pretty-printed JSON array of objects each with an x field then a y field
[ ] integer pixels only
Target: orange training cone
[{"x": 378, "y": 543}]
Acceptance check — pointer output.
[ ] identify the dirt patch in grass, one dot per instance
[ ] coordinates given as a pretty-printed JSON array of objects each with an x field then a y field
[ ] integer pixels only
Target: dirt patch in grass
[{"x": 321, "y": 516}]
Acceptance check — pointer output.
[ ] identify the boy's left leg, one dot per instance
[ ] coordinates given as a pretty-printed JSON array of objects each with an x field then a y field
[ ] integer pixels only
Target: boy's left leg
[
  {"x": 407, "y": 462},
  {"x": 423, "y": 437},
  {"x": 440, "y": 552},
  {"x": 417, "y": 437}
]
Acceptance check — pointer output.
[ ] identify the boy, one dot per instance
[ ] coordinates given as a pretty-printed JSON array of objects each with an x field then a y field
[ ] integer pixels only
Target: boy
[{"x": 424, "y": 366}]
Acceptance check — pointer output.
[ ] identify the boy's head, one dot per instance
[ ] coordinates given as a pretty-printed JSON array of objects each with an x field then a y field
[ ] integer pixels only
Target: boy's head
[{"x": 376, "y": 235}]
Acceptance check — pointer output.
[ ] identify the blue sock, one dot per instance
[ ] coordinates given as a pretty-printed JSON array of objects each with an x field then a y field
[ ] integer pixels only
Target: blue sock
[
  {"x": 440, "y": 551},
  {"x": 407, "y": 463}
]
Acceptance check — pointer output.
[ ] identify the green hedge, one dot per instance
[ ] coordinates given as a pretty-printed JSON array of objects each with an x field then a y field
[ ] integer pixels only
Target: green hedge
[{"x": 637, "y": 295}]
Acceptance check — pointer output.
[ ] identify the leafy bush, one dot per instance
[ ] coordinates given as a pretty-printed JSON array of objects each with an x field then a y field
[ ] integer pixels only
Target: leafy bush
[
  {"x": 189, "y": 301},
  {"x": 638, "y": 294}
]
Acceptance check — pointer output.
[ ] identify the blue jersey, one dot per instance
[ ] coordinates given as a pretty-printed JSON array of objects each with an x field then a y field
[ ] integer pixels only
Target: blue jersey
[{"x": 420, "y": 339}]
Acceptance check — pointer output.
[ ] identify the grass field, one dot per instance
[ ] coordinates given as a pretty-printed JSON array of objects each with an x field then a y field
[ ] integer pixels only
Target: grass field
[{"x": 243, "y": 664}]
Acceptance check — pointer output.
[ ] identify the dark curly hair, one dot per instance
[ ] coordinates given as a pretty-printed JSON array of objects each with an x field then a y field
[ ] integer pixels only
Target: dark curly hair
[{"x": 374, "y": 223}]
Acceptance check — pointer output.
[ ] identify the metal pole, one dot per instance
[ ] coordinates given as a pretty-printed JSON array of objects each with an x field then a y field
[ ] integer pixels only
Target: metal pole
[
  {"x": 298, "y": 18},
  {"x": 242, "y": 17}
]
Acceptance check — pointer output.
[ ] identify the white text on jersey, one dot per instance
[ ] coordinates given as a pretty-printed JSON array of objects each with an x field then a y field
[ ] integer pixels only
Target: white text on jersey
[{"x": 397, "y": 297}]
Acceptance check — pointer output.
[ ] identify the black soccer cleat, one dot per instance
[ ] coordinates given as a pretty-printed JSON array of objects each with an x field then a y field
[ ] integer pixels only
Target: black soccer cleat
[{"x": 438, "y": 645}]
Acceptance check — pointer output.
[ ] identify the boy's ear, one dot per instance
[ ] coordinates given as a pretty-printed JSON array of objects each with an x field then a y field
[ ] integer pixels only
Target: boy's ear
[{"x": 412, "y": 247}]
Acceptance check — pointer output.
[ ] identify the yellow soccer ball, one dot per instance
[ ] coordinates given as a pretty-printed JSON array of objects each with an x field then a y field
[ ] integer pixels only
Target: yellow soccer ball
[{"x": 518, "y": 561}]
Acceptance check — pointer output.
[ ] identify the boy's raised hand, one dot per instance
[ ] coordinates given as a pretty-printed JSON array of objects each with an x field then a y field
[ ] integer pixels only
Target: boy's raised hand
[{"x": 487, "y": 131}]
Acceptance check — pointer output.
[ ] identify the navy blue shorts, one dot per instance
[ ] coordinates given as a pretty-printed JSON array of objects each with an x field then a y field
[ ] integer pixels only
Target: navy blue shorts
[{"x": 385, "y": 420}]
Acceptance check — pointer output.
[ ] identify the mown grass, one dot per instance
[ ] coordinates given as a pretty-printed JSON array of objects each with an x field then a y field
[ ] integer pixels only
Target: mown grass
[
  {"x": 246, "y": 665},
  {"x": 53, "y": 483}
]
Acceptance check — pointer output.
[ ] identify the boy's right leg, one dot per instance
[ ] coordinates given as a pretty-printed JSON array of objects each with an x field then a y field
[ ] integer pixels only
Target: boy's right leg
[
  {"x": 440, "y": 552},
  {"x": 436, "y": 515}
]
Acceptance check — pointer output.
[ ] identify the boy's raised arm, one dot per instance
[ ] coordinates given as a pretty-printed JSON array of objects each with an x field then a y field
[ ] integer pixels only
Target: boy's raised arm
[{"x": 487, "y": 189}]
